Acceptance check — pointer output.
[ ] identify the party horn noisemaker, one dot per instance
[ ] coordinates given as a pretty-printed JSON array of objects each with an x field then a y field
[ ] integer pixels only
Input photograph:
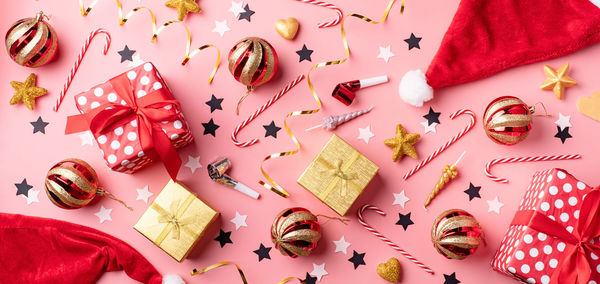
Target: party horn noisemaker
[
  {"x": 216, "y": 171},
  {"x": 344, "y": 92}
]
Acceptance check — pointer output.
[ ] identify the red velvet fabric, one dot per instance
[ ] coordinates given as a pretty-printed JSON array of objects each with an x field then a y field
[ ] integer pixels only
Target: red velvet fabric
[
  {"x": 40, "y": 250},
  {"x": 488, "y": 36}
]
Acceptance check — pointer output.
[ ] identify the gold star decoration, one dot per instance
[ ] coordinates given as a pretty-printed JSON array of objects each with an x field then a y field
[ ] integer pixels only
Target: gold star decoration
[
  {"x": 402, "y": 143},
  {"x": 183, "y": 7},
  {"x": 26, "y": 92},
  {"x": 557, "y": 80}
]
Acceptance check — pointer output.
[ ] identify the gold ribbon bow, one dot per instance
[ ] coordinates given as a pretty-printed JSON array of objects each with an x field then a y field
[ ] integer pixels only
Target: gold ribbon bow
[
  {"x": 336, "y": 171},
  {"x": 173, "y": 218}
]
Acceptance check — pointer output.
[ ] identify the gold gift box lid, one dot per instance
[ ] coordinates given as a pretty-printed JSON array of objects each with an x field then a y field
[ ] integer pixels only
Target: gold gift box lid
[
  {"x": 338, "y": 175},
  {"x": 176, "y": 220}
]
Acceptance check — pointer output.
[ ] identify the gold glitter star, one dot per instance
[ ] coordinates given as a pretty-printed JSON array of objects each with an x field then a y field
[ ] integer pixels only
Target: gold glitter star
[
  {"x": 557, "y": 80},
  {"x": 402, "y": 143},
  {"x": 26, "y": 92},
  {"x": 183, "y": 7}
]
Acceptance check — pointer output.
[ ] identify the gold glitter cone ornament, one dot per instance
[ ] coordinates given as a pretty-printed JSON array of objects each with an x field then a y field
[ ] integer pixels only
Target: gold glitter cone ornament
[{"x": 448, "y": 173}]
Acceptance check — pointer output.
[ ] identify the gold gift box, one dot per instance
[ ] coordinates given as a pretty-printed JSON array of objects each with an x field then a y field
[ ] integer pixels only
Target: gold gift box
[
  {"x": 338, "y": 175},
  {"x": 176, "y": 220}
]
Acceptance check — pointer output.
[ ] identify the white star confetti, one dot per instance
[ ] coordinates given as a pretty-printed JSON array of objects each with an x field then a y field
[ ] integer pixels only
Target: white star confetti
[
  {"x": 32, "y": 196},
  {"x": 385, "y": 53},
  {"x": 341, "y": 245},
  {"x": 400, "y": 199},
  {"x": 86, "y": 138},
  {"x": 236, "y": 8},
  {"x": 495, "y": 205},
  {"x": 103, "y": 214},
  {"x": 137, "y": 60},
  {"x": 221, "y": 27},
  {"x": 239, "y": 220},
  {"x": 319, "y": 271},
  {"x": 193, "y": 163},
  {"x": 563, "y": 121},
  {"x": 143, "y": 194},
  {"x": 429, "y": 128},
  {"x": 365, "y": 134}
]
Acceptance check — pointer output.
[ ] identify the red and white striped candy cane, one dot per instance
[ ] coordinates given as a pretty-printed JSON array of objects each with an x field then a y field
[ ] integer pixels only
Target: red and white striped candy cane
[
  {"x": 82, "y": 52},
  {"x": 447, "y": 144},
  {"x": 259, "y": 111},
  {"x": 361, "y": 220},
  {"x": 331, "y": 23},
  {"x": 524, "y": 159}
]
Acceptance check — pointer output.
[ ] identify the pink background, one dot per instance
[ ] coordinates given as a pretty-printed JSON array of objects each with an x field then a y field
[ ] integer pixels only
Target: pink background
[{"x": 27, "y": 155}]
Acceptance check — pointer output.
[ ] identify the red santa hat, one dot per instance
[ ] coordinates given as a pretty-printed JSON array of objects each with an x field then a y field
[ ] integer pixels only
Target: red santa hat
[
  {"x": 40, "y": 250},
  {"x": 488, "y": 36}
]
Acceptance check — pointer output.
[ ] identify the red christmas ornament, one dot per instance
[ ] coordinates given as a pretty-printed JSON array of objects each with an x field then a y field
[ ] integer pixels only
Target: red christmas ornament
[
  {"x": 295, "y": 232},
  {"x": 456, "y": 234},
  {"x": 507, "y": 120},
  {"x": 253, "y": 62},
  {"x": 73, "y": 183},
  {"x": 32, "y": 42}
]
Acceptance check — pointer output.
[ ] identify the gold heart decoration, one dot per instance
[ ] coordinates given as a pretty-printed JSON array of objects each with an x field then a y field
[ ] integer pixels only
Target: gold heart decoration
[
  {"x": 390, "y": 270},
  {"x": 287, "y": 28},
  {"x": 590, "y": 106}
]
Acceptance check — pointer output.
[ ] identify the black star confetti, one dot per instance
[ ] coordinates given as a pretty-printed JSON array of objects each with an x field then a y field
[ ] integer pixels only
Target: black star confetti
[
  {"x": 210, "y": 127},
  {"x": 39, "y": 125},
  {"x": 432, "y": 117},
  {"x": 563, "y": 134},
  {"x": 451, "y": 279},
  {"x": 304, "y": 53},
  {"x": 309, "y": 279},
  {"x": 126, "y": 54},
  {"x": 473, "y": 191},
  {"x": 214, "y": 103},
  {"x": 271, "y": 129},
  {"x": 357, "y": 259},
  {"x": 263, "y": 252},
  {"x": 23, "y": 188},
  {"x": 223, "y": 238},
  {"x": 405, "y": 220},
  {"x": 413, "y": 41},
  {"x": 246, "y": 14}
]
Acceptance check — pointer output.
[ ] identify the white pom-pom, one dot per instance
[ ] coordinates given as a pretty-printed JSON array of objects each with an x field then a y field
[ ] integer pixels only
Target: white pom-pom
[
  {"x": 414, "y": 89},
  {"x": 172, "y": 279}
]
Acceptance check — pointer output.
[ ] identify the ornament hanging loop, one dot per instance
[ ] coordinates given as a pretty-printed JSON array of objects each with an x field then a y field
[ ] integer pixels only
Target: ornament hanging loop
[
  {"x": 237, "y": 108},
  {"x": 532, "y": 110},
  {"x": 40, "y": 16},
  {"x": 342, "y": 220},
  {"x": 101, "y": 191}
]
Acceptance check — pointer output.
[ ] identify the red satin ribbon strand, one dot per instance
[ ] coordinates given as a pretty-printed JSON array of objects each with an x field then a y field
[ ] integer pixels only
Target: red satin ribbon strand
[
  {"x": 573, "y": 266},
  {"x": 149, "y": 111}
]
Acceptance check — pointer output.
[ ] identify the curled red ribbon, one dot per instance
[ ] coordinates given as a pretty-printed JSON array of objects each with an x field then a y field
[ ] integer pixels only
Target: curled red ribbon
[
  {"x": 573, "y": 266},
  {"x": 149, "y": 111}
]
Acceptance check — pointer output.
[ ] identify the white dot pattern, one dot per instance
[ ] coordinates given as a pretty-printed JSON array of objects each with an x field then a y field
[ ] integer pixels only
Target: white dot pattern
[
  {"x": 121, "y": 146},
  {"x": 532, "y": 256}
]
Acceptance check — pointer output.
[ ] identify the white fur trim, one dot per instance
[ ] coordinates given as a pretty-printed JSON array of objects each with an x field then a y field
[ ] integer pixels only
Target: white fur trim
[
  {"x": 414, "y": 89},
  {"x": 172, "y": 279}
]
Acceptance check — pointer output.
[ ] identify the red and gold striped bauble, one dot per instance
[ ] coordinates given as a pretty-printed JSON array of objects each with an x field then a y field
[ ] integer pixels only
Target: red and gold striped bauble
[
  {"x": 295, "y": 232},
  {"x": 72, "y": 183},
  {"x": 32, "y": 42},
  {"x": 507, "y": 120},
  {"x": 456, "y": 234}
]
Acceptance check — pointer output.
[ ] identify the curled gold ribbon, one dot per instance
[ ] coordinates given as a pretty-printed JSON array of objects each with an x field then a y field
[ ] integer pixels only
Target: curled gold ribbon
[
  {"x": 274, "y": 186},
  {"x": 155, "y": 32},
  {"x": 219, "y": 264}
]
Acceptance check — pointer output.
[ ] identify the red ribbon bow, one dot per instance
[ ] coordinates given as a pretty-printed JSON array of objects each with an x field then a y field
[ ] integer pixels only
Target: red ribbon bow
[
  {"x": 149, "y": 111},
  {"x": 573, "y": 266}
]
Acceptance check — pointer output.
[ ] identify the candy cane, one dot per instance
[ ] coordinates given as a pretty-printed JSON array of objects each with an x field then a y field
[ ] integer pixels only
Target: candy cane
[
  {"x": 84, "y": 49},
  {"x": 331, "y": 23},
  {"x": 259, "y": 111},
  {"x": 448, "y": 143},
  {"x": 524, "y": 159},
  {"x": 361, "y": 220}
]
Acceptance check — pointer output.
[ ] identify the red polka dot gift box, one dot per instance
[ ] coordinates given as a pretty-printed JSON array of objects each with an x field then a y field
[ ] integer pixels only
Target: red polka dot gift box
[
  {"x": 135, "y": 119},
  {"x": 553, "y": 237}
]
